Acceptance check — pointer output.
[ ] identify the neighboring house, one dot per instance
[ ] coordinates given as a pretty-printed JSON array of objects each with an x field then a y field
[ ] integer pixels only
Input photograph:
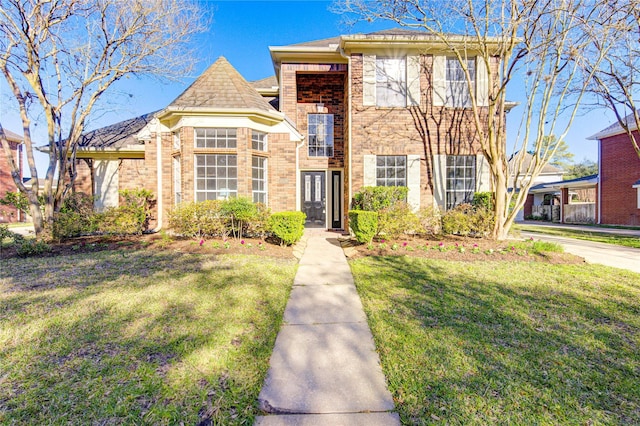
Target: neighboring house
[
  {"x": 619, "y": 176},
  {"x": 564, "y": 201},
  {"x": 549, "y": 173},
  {"x": 388, "y": 108},
  {"x": 7, "y": 184}
]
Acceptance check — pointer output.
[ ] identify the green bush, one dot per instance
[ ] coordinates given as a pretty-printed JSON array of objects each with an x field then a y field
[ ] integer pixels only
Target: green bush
[
  {"x": 430, "y": 221},
  {"x": 199, "y": 219},
  {"x": 396, "y": 220},
  {"x": 259, "y": 225},
  {"x": 76, "y": 217},
  {"x": 483, "y": 200},
  {"x": 131, "y": 217},
  {"x": 32, "y": 247},
  {"x": 364, "y": 225},
  {"x": 287, "y": 226},
  {"x": 239, "y": 212},
  {"x": 6, "y": 234},
  {"x": 465, "y": 220},
  {"x": 376, "y": 198}
]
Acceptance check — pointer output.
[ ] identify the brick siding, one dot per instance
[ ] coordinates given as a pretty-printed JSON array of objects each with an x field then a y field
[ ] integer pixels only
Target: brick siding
[
  {"x": 7, "y": 213},
  {"x": 620, "y": 169}
]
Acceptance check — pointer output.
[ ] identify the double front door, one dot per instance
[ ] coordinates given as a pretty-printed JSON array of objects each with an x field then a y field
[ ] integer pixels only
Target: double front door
[{"x": 314, "y": 199}]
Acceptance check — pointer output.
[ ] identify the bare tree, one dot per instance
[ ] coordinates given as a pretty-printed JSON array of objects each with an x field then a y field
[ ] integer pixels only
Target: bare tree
[
  {"x": 540, "y": 42},
  {"x": 60, "y": 57},
  {"x": 616, "y": 79}
]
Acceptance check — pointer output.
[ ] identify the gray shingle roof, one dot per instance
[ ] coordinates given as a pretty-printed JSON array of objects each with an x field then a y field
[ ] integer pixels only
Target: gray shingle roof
[
  {"x": 326, "y": 42},
  {"x": 11, "y": 136},
  {"x": 526, "y": 161},
  {"x": 615, "y": 128},
  {"x": 221, "y": 86},
  {"x": 117, "y": 135}
]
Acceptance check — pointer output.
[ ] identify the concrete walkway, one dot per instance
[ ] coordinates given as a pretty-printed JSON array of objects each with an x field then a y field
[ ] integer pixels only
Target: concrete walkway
[{"x": 324, "y": 369}]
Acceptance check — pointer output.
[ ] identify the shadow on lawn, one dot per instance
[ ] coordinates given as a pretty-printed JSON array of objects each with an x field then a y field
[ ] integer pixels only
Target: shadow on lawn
[
  {"x": 137, "y": 337},
  {"x": 521, "y": 347}
]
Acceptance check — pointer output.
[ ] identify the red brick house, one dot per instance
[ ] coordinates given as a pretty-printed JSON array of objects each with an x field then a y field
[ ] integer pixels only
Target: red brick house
[
  {"x": 7, "y": 184},
  {"x": 387, "y": 108},
  {"x": 618, "y": 195}
]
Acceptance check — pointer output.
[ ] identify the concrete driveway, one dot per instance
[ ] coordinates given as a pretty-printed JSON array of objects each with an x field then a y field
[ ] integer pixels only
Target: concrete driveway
[{"x": 592, "y": 252}]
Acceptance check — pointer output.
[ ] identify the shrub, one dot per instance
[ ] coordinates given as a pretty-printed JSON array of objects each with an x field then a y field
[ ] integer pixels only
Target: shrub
[
  {"x": 199, "y": 219},
  {"x": 32, "y": 247},
  {"x": 239, "y": 212},
  {"x": 131, "y": 217},
  {"x": 5, "y": 234},
  {"x": 364, "y": 225},
  {"x": 376, "y": 198},
  {"x": 430, "y": 221},
  {"x": 259, "y": 225},
  {"x": 465, "y": 220},
  {"x": 483, "y": 200},
  {"x": 76, "y": 217},
  {"x": 287, "y": 226},
  {"x": 397, "y": 219}
]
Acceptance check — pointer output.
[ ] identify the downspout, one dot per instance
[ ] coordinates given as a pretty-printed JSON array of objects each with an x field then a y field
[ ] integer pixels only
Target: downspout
[
  {"x": 349, "y": 187},
  {"x": 159, "y": 174}
]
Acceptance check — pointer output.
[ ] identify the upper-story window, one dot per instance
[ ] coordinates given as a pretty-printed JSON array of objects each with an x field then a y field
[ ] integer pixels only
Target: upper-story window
[
  {"x": 215, "y": 138},
  {"x": 458, "y": 89},
  {"x": 391, "y": 82},
  {"x": 258, "y": 140},
  {"x": 320, "y": 135}
]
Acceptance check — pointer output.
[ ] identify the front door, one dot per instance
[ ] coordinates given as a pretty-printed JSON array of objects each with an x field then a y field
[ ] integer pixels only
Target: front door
[{"x": 314, "y": 199}]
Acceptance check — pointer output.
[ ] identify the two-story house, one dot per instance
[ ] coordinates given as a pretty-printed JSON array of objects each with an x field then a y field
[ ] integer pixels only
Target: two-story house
[{"x": 388, "y": 108}]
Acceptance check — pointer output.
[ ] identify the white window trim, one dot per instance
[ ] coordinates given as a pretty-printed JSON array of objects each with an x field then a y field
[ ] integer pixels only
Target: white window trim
[
  {"x": 195, "y": 177},
  {"x": 412, "y": 80},
  {"x": 266, "y": 179}
]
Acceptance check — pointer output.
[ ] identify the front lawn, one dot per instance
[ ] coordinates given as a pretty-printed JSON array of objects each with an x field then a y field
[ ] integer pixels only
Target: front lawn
[
  {"x": 505, "y": 342},
  {"x": 138, "y": 336}
]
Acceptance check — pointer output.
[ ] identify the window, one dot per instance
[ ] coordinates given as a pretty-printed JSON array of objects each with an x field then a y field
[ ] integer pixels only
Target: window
[
  {"x": 216, "y": 177},
  {"x": 391, "y": 82},
  {"x": 458, "y": 90},
  {"x": 391, "y": 170},
  {"x": 320, "y": 135},
  {"x": 177, "y": 180},
  {"x": 176, "y": 141},
  {"x": 258, "y": 141},
  {"x": 461, "y": 179},
  {"x": 259, "y": 179},
  {"x": 215, "y": 138}
]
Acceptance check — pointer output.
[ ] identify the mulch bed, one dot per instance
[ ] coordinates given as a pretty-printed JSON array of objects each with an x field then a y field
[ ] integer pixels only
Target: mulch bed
[
  {"x": 455, "y": 249},
  {"x": 446, "y": 248}
]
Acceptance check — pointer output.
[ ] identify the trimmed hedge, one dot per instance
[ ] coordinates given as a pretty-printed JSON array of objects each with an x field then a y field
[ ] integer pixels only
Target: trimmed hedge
[
  {"x": 287, "y": 226},
  {"x": 198, "y": 219},
  {"x": 376, "y": 198},
  {"x": 364, "y": 225}
]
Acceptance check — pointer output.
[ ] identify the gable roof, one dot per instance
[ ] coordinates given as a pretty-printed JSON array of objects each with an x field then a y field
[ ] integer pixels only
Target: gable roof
[
  {"x": 221, "y": 86},
  {"x": 526, "y": 161},
  {"x": 11, "y": 136},
  {"x": 615, "y": 128},
  {"x": 117, "y": 135}
]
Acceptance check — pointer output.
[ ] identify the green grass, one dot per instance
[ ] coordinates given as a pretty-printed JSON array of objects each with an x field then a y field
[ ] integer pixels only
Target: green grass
[
  {"x": 600, "y": 237},
  {"x": 137, "y": 337},
  {"x": 505, "y": 343}
]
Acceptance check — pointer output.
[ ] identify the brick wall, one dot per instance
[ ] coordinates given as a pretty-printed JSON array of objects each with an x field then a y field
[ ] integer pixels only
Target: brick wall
[
  {"x": 620, "y": 169},
  {"x": 7, "y": 213},
  {"x": 423, "y": 130}
]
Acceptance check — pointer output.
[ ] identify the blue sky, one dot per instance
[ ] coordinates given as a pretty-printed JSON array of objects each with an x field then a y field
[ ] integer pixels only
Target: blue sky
[{"x": 242, "y": 31}]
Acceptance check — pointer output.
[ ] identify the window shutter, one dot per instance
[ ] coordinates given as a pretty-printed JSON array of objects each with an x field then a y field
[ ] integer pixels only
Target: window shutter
[
  {"x": 369, "y": 80},
  {"x": 369, "y": 175},
  {"x": 413, "y": 80},
  {"x": 439, "y": 76},
  {"x": 440, "y": 181},
  {"x": 483, "y": 174},
  {"x": 482, "y": 82},
  {"x": 413, "y": 181}
]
